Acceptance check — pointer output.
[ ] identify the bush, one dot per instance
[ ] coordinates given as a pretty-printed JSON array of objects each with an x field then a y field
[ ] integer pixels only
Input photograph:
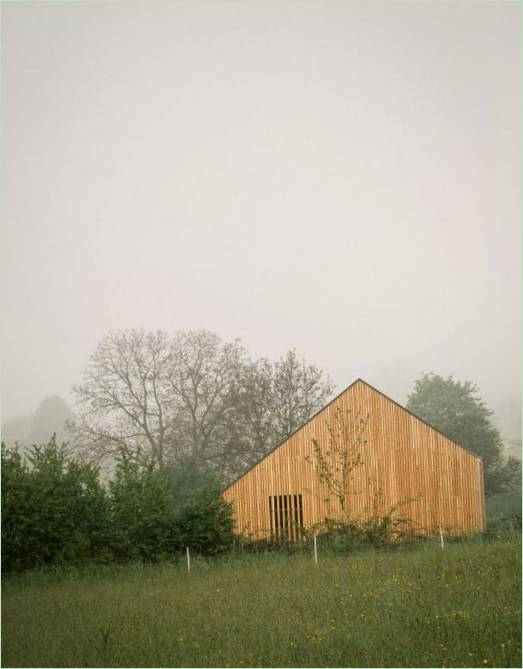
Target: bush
[
  {"x": 504, "y": 504},
  {"x": 506, "y": 527},
  {"x": 205, "y": 524},
  {"x": 141, "y": 511},
  {"x": 342, "y": 536},
  {"x": 203, "y": 520},
  {"x": 157, "y": 512},
  {"x": 379, "y": 530},
  {"x": 54, "y": 509}
]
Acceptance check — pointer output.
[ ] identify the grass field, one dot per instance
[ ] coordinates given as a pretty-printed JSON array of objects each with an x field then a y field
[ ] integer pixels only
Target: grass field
[{"x": 460, "y": 607}]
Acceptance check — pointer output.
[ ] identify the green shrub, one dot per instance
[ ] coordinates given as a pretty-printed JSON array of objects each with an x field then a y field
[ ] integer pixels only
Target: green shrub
[
  {"x": 340, "y": 536},
  {"x": 205, "y": 524},
  {"x": 381, "y": 529},
  {"x": 54, "y": 509},
  {"x": 203, "y": 520},
  {"x": 157, "y": 512},
  {"x": 506, "y": 527},
  {"x": 141, "y": 511}
]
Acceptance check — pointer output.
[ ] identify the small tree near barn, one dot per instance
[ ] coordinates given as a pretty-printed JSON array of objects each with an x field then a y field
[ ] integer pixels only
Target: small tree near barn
[{"x": 335, "y": 464}]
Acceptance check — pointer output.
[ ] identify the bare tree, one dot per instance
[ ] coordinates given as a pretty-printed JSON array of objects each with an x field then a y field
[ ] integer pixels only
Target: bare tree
[
  {"x": 190, "y": 394},
  {"x": 275, "y": 399},
  {"x": 204, "y": 378},
  {"x": 299, "y": 391},
  {"x": 124, "y": 398},
  {"x": 256, "y": 433}
]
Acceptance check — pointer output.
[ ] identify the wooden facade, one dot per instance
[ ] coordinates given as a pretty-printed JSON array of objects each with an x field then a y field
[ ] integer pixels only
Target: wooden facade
[{"x": 395, "y": 458}]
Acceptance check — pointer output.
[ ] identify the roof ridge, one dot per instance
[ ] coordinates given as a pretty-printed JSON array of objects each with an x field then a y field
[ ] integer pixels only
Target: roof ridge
[{"x": 331, "y": 402}]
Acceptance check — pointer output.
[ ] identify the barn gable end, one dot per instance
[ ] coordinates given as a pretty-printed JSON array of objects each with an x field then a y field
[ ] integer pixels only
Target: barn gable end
[{"x": 402, "y": 459}]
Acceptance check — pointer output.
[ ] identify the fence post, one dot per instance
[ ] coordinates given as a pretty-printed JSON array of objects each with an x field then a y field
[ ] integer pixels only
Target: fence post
[
  {"x": 315, "y": 550},
  {"x": 188, "y": 561},
  {"x": 441, "y": 537}
]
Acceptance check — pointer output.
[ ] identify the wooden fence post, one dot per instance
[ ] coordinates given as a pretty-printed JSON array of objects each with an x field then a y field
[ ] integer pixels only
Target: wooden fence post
[{"x": 441, "y": 537}]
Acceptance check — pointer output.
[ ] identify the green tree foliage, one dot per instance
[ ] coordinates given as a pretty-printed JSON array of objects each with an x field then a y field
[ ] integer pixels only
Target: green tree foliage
[
  {"x": 187, "y": 478},
  {"x": 142, "y": 516},
  {"x": 203, "y": 520},
  {"x": 159, "y": 511},
  {"x": 456, "y": 409},
  {"x": 16, "y": 510},
  {"x": 54, "y": 509}
]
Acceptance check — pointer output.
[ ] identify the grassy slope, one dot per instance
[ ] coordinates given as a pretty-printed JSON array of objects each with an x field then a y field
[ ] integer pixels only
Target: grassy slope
[{"x": 422, "y": 607}]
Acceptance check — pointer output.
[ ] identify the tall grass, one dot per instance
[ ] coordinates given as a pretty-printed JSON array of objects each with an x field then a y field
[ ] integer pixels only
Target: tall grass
[{"x": 421, "y": 607}]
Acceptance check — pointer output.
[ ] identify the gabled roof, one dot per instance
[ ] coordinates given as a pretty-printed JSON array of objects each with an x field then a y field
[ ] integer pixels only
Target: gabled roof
[{"x": 358, "y": 380}]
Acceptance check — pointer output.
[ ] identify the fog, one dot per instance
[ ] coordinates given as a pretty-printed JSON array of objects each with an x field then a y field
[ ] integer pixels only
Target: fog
[{"x": 342, "y": 178}]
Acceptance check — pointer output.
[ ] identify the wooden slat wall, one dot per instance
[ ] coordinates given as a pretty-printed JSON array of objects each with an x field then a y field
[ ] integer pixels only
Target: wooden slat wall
[{"x": 403, "y": 457}]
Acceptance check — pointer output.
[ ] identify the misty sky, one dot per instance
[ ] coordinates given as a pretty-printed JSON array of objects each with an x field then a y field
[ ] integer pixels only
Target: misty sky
[{"x": 342, "y": 178}]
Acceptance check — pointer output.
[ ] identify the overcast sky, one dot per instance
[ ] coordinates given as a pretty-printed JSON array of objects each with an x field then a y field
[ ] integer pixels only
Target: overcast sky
[{"x": 342, "y": 178}]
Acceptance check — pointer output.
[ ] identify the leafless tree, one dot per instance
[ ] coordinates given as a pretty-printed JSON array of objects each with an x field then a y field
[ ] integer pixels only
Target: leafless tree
[
  {"x": 299, "y": 391},
  {"x": 256, "y": 419},
  {"x": 275, "y": 399},
  {"x": 191, "y": 394},
  {"x": 204, "y": 379},
  {"x": 124, "y": 398}
]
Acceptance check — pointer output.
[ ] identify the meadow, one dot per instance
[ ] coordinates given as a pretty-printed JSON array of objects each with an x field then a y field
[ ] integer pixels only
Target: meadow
[{"x": 412, "y": 606}]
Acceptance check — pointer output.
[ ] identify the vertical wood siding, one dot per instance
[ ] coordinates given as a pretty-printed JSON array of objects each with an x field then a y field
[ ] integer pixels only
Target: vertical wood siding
[{"x": 402, "y": 459}]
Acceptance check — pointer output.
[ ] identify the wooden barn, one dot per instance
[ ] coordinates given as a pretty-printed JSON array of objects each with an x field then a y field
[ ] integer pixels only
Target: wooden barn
[{"x": 359, "y": 456}]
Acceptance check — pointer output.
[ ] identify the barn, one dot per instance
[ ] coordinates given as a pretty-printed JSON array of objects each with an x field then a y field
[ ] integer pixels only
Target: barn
[{"x": 359, "y": 456}]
